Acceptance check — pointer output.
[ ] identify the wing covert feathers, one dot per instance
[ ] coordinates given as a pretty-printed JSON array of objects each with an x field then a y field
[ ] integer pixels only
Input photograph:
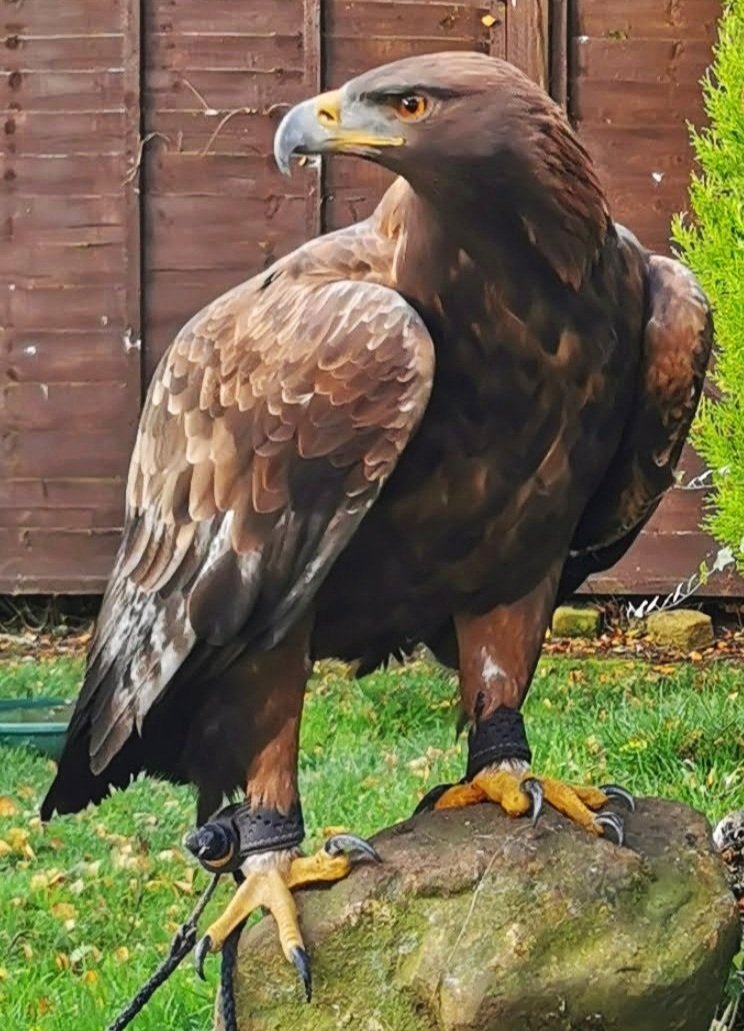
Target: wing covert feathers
[
  {"x": 677, "y": 343},
  {"x": 269, "y": 428}
]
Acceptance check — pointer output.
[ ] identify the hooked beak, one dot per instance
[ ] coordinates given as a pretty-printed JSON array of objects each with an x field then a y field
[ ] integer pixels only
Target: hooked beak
[{"x": 320, "y": 126}]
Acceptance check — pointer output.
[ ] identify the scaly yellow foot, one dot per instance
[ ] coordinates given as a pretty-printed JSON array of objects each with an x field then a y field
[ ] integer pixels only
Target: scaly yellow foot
[
  {"x": 271, "y": 887},
  {"x": 518, "y": 793}
]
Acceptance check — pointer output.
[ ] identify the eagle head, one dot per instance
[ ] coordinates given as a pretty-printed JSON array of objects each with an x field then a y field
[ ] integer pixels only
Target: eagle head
[
  {"x": 461, "y": 106},
  {"x": 474, "y": 136}
]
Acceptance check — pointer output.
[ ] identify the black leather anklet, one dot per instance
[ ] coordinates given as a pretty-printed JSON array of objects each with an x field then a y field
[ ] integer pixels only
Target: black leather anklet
[
  {"x": 223, "y": 843},
  {"x": 499, "y": 737}
]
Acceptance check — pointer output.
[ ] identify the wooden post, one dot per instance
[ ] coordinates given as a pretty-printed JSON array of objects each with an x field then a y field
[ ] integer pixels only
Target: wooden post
[
  {"x": 558, "y": 51},
  {"x": 494, "y": 22},
  {"x": 132, "y": 98},
  {"x": 527, "y": 37},
  {"x": 312, "y": 48}
]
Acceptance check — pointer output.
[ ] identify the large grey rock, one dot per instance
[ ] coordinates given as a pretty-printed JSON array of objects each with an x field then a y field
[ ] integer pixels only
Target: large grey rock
[{"x": 476, "y": 922}]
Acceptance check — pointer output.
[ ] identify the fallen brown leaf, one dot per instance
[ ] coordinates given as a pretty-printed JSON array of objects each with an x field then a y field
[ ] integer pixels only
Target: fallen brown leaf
[
  {"x": 63, "y": 911},
  {"x": 7, "y": 806}
]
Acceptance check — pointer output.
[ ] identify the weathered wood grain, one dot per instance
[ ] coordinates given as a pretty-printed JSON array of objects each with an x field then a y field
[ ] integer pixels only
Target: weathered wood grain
[
  {"x": 674, "y": 61},
  {"x": 39, "y": 90},
  {"x": 69, "y": 270},
  {"x": 193, "y": 17},
  {"x": 73, "y": 356},
  {"x": 55, "y": 561},
  {"x": 527, "y": 38},
  {"x": 54, "y": 498},
  {"x": 436, "y": 22},
  {"x": 645, "y": 19},
  {"x": 59, "y": 20},
  {"x": 86, "y": 132},
  {"x": 61, "y": 53},
  {"x": 634, "y": 80},
  {"x": 79, "y": 182},
  {"x": 99, "y": 452}
]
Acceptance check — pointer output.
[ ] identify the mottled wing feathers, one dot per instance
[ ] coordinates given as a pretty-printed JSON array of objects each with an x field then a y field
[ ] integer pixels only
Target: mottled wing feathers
[
  {"x": 677, "y": 343},
  {"x": 677, "y": 347},
  {"x": 270, "y": 426}
]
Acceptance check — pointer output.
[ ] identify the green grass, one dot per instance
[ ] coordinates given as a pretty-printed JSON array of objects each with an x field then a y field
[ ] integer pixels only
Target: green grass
[{"x": 88, "y": 904}]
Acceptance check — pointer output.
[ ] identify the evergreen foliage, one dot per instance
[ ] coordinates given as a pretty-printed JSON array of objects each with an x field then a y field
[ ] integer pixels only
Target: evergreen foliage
[{"x": 711, "y": 240}]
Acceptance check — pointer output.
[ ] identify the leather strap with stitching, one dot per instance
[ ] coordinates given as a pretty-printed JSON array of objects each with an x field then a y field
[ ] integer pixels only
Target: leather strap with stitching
[
  {"x": 501, "y": 736},
  {"x": 246, "y": 830}
]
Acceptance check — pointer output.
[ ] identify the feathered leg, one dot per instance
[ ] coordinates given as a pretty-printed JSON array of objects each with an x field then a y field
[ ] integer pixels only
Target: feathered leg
[
  {"x": 498, "y": 652},
  {"x": 258, "y": 839}
]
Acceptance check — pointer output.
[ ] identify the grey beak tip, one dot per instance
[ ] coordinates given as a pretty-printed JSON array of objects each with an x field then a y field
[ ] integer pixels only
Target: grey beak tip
[
  {"x": 298, "y": 133},
  {"x": 282, "y": 160}
]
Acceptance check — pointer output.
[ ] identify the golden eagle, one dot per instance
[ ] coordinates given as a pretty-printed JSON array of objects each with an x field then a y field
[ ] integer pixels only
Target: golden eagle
[{"x": 430, "y": 426}]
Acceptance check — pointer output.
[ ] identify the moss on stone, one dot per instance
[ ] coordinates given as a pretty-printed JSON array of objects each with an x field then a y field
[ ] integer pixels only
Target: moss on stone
[
  {"x": 684, "y": 630},
  {"x": 550, "y": 929},
  {"x": 575, "y": 621}
]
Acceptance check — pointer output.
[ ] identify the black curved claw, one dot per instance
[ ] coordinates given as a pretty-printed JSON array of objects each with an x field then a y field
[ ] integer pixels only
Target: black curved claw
[
  {"x": 357, "y": 849},
  {"x": 615, "y": 791},
  {"x": 201, "y": 951},
  {"x": 532, "y": 787},
  {"x": 301, "y": 960},
  {"x": 431, "y": 798},
  {"x": 612, "y": 822}
]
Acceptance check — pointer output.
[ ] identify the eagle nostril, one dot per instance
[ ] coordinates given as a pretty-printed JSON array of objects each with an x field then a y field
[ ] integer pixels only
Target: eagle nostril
[{"x": 326, "y": 117}]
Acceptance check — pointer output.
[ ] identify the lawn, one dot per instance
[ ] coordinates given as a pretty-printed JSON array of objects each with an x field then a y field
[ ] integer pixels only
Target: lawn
[{"x": 88, "y": 904}]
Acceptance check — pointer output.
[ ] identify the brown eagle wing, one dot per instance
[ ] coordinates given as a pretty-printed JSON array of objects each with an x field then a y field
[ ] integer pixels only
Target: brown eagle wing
[
  {"x": 677, "y": 343},
  {"x": 270, "y": 426}
]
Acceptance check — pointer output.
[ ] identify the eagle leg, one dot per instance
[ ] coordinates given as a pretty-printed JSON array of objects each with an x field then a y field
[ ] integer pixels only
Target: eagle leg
[
  {"x": 270, "y": 887},
  {"x": 498, "y": 651}
]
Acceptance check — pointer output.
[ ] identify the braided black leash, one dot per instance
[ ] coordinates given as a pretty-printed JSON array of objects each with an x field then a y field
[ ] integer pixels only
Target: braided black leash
[
  {"x": 183, "y": 943},
  {"x": 227, "y": 978}
]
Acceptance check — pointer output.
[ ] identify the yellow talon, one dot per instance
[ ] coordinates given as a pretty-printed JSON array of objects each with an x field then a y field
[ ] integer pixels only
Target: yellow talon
[
  {"x": 318, "y": 868},
  {"x": 568, "y": 800},
  {"x": 272, "y": 889},
  {"x": 516, "y": 797},
  {"x": 267, "y": 889},
  {"x": 460, "y": 795}
]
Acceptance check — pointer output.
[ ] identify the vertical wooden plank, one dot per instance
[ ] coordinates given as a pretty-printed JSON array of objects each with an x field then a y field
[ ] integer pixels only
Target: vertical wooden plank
[
  {"x": 558, "y": 51},
  {"x": 312, "y": 48},
  {"x": 70, "y": 372},
  {"x": 133, "y": 143},
  {"x": 527, "y": 37},
  {"x": 494, "y": 20},
  {"x": 216, "y": 210}
]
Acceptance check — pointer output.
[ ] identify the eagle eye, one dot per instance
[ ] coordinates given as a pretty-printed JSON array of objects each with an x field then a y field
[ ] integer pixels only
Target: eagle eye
[{"x": 411, "y": 107}]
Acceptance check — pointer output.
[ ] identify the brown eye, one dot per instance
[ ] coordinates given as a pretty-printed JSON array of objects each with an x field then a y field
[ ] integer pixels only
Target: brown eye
[{"x": 411, "y": 107}]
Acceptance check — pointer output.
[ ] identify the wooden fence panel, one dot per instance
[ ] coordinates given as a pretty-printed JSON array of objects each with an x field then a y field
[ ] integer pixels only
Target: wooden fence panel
[
  {"x": 217, "y": 78},
  {"x": 69, "y": 275},
  {"x": 634, "y": 73},
  {"x": 97, "y": 138}
]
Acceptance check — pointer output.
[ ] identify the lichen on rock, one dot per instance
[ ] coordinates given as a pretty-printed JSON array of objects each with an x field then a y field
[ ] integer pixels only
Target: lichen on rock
[
  {"x": 475, "y": 922},
  {"x": 576, "y": 621},
  {"x": 683, "y": 630}
]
